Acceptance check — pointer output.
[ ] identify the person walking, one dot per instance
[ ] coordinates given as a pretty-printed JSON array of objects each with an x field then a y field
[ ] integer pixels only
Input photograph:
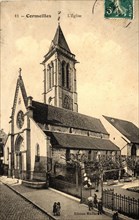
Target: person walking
[
  {"x": 115, "y": 216},
  {"x": 58, "y": 208},
  {"x": 100, "y": 207},
  {"x": 95, "y": 201},
  {"x": 54, "y": 208},
  {"x": 90, "y": 203}
]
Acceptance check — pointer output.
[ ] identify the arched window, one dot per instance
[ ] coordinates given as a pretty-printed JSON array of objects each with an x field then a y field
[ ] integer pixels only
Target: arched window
[
  {"x": 37, "y": 153},
  {"x": 63, "y": 73},
  {"x": 67, "y": 76},
  {"x": 49, "y": 77},
  {"x": 52, "y": 73}
]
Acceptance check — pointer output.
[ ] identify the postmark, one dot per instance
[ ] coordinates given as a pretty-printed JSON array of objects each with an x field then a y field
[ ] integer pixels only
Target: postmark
[{"x": 119, "y": 9}]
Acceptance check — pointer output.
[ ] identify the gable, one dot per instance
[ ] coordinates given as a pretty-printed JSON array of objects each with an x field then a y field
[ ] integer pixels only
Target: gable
[
  {"x": 19, "y": 108},
  {"x": 20, "y": 94}
]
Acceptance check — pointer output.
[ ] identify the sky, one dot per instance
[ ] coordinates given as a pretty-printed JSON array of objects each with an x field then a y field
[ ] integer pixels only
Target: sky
[{"x": 107, "y": 51}]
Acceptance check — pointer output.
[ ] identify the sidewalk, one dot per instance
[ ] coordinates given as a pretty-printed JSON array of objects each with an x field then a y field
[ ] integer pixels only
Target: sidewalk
[{"x": 44, "y": 198}]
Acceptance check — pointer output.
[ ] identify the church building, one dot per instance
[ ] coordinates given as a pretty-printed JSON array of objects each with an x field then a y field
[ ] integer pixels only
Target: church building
[{"x": 44, "y": 137}]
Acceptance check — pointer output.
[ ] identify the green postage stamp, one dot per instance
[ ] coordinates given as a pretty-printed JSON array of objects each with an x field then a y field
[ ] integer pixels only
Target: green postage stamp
[{"x": 119, "y": 9}]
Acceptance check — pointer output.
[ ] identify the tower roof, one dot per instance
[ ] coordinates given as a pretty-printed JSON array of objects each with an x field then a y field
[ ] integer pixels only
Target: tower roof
[
  {"x": 59, "y": 40},
  {"x": 59, "y": 43}
]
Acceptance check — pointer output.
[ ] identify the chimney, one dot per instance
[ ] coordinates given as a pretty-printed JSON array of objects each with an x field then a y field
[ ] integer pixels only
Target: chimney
[{"x": 29, "y": 98}]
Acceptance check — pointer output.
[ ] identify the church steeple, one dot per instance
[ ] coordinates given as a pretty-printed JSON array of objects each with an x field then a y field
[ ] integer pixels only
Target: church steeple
[
  {"x": 59, "y": 40},
  {"x": 60, "y": 74}
]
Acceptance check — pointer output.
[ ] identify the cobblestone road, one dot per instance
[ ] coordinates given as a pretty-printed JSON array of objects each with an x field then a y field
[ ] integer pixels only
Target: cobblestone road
[{"x": 14, "y": 207}]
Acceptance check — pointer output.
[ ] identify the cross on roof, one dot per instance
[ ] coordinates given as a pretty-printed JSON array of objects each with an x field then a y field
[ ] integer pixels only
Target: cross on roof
[
  {"x": 20, "y": 70},
  {"x": 59, "y": 12}
]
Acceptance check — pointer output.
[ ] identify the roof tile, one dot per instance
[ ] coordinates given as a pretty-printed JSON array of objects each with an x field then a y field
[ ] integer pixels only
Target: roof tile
[
  {"x": 47, "y": 114},
  {"x": 81, "y": 142}
]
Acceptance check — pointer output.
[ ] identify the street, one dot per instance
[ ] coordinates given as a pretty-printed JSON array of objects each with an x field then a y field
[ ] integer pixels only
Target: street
[{"x": 14, "y": 207}]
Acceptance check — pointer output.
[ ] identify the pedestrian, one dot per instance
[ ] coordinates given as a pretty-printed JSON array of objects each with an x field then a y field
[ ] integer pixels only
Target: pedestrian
[
  {"x": 90, "y": 202},
  {"x": 54, "y": 208},
  {"x": 95, "y": 201},
  {"x": 97, "y": 183},
  {"x": 115, "y": 216},
  {"x": 100, "y": 207},
  {"x": 58, "y": 208}
]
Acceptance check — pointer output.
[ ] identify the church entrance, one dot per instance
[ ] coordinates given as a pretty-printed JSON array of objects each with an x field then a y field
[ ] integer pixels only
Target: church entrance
[{"x": 20, "y": 155}]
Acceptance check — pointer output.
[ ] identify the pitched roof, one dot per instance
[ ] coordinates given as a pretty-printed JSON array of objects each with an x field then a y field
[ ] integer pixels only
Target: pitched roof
[
  {"x": 59, "y": 40},
  {"x": 47, "y": 114},
  {"x": 20, "y": 84},
  {"x": 80, "y": 142},
  {"x": 127, "y": 128}
]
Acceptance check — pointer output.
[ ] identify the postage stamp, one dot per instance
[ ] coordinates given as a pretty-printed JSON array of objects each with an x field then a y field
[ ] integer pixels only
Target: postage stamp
[{"x": 119, "y": 9}]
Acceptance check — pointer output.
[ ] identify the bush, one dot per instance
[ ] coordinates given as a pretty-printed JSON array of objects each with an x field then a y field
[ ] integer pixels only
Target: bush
[{"x": 111, "y": 175}]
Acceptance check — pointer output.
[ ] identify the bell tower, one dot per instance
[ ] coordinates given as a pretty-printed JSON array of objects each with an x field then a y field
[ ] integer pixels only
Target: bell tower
[{"x": 60, "y": 88}]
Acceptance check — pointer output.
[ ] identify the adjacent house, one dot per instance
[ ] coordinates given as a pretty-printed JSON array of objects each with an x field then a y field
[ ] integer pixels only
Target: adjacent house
[{"x": 124, "y": 134}]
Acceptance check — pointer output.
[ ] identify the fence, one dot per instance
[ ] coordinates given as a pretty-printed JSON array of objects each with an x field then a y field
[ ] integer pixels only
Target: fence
[
  {"x": 66, "y": 187},
  {"x": 70, "y": 188},
  {"x": 125, "y": 205}
]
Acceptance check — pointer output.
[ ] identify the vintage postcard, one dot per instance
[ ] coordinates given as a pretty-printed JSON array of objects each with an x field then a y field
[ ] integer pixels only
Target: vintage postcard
[{"x": 69, "y": 132}]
